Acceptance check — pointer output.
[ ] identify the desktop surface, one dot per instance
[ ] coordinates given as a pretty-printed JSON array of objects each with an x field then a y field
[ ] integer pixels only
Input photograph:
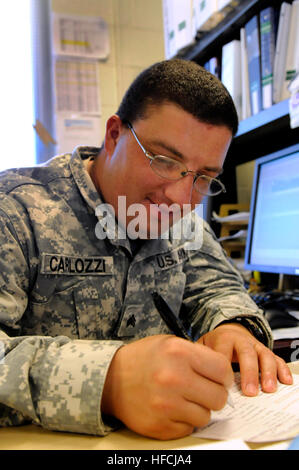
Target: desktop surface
[{"x": 32, "y": 437}]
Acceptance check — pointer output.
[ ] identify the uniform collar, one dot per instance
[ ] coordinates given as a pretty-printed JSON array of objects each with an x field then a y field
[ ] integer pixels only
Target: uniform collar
[{"x": 81, "y": 176}]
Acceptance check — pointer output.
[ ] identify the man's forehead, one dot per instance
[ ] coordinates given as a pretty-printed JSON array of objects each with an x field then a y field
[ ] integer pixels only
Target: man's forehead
[{"x": 152, "y": 108}]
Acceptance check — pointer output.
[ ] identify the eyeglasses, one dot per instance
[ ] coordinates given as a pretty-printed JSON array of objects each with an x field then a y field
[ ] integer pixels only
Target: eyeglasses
[{"x": 174, "y": 170}]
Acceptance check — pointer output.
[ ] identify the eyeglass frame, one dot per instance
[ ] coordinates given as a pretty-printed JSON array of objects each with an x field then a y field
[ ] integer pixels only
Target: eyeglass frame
[{"x": 196, "y": 174}]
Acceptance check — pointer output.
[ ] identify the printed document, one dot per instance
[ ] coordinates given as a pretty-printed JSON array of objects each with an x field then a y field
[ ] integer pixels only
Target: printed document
[{"x": 264, "y": 418}]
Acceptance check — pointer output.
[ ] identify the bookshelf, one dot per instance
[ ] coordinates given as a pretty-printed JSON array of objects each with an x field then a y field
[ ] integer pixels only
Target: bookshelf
[
  {"x": 209, "y": 43},
  {"x": 259, "y": 134},
  {"x": 229, "y": 227}
]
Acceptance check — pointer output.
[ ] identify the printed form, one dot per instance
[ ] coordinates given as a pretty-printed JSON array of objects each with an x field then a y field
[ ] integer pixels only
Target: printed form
[{"x": 264, "y": 418}]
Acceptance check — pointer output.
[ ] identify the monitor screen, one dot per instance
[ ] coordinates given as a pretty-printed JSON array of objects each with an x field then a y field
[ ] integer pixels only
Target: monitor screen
[{"x": 273, "y": 233}]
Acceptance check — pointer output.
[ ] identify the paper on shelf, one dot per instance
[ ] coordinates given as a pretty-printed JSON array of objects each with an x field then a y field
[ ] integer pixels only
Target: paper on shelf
[
  {"x": 268, "y": 417},
  {"x": 231, "y": 218},
  {"x": 239, "y": 234}
]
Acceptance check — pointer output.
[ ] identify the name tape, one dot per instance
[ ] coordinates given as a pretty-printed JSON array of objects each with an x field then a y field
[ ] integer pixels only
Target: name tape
[{"x": 76, "y": 265}]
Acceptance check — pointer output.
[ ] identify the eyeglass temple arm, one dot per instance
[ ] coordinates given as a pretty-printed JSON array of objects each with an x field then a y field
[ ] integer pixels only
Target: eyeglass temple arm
[{"x": 134, "y": 134}]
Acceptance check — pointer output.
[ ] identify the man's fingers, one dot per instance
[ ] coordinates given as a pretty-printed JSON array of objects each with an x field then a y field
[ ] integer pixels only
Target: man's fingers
[
  {"x": 208, "y": 394},
  {"x": 255, "y": 358},
  {"x": 268, "y": 367},
  {"x": 273, "y": 367},
  {"x": 257, "y": 362},
  {"x": 283, "y": 372},
  {"x": 191, "y": 413},
  {"x": 212, "y": 365},
  {"x": 249, "y": 369}
]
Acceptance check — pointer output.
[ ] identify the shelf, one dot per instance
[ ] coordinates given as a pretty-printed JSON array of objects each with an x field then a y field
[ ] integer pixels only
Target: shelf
[
  {"x": 232, "y": 225},
  {"x": 228, "y": 29},
  {"x": 263, "y": 134},
  {"x": 277, "y": 112},
  {"x": 259, "y": 135},
  {"x": 234, "y": 244}
]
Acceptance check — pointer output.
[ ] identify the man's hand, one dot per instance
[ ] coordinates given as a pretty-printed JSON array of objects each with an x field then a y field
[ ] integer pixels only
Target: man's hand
[
  {"x": 163, "y": 386},
  {"x": 239, "y": 345}
]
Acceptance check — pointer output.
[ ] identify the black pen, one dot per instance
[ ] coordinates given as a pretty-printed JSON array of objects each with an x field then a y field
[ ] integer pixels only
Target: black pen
[{"x": 175, "y": 324}]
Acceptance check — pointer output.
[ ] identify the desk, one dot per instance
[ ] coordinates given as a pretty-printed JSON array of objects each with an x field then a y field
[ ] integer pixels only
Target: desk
[{"x": 33, "y": 437}]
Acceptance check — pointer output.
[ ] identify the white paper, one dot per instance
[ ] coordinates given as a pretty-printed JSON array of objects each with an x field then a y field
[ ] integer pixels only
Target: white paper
[
  {"x": 234, "y": 444},
  {"x": 286, "y": 333},
  {"x": 239, "y": 234},
  {"x": 81, "y": 36},
  {"x": 77, "y": 86},
  {"x": 231, "y": 218},
  {"x": 72, "y": 131},
  {"x": 294, "y": 99},
  {"x": 268, "y": 417}
]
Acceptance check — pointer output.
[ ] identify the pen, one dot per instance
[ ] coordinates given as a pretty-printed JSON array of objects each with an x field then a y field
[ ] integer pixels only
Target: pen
[{"x": 175, "y": 325}]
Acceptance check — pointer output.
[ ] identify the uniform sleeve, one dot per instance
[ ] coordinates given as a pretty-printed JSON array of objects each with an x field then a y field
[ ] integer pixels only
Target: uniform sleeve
[
  {"x": 54, "y": 382},
  {"x": 215, "y": 291}
]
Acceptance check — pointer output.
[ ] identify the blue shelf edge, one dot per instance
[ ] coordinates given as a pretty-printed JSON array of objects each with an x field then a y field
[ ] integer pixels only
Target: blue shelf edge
[{"x": 267, "y": 116}]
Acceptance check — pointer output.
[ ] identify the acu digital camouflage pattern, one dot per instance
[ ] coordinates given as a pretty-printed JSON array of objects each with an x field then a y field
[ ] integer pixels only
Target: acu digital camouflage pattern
[{"x": 68, "y": 300}]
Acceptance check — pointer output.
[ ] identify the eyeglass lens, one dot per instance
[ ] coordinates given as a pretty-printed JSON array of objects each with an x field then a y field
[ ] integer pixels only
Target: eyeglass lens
[{"x": 174, "y": 170}]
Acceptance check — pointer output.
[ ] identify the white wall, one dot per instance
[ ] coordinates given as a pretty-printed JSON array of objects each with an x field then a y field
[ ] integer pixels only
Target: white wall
[{"x": 136, "y": 40}]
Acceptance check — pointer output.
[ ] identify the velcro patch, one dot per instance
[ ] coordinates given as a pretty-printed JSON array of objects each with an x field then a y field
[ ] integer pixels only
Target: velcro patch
[{"x": 171, "y": 259}]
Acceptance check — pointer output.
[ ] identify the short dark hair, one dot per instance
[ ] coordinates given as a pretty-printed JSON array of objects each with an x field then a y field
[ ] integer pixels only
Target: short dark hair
[{"x": 184, "y": 83}]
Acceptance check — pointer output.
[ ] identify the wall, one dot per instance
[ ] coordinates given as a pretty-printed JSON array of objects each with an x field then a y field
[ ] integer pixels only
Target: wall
[{"x": 136, "y": 41}]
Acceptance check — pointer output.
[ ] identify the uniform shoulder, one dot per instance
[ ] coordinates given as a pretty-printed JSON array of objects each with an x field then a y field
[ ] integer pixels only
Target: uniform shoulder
[{"x": 57, "y": 167}]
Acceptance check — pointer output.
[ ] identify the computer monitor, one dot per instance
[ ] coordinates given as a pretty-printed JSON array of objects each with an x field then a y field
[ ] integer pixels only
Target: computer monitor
[{"x": 272, "y": 244}]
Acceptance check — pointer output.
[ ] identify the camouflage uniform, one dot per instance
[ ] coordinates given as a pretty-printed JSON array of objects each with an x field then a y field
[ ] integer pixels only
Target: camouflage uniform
[{"x": 68, "y": 300}]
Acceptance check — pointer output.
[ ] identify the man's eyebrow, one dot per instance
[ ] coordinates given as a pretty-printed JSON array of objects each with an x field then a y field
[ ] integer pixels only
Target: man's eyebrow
[
  {"x": 167, "y": 147},
  {"x": 217, "y": 169},
  {"x": 178, "y": 154}
]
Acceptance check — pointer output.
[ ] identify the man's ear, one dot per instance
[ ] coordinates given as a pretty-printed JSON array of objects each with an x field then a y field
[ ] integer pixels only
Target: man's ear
[{"x": 114, "y": 128}]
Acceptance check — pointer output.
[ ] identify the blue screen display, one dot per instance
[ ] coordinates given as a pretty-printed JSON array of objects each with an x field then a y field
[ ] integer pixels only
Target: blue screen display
[{"x": 273, "y": 232}]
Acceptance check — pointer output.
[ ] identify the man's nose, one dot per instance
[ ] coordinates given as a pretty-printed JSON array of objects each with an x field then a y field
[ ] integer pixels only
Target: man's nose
[{"x": 180, "y": 191}]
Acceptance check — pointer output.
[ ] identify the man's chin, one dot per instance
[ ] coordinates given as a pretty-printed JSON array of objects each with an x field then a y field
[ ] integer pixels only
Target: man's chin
[
  {"x": 149, "y": 221},
  {"x": 152, "y": 227}
]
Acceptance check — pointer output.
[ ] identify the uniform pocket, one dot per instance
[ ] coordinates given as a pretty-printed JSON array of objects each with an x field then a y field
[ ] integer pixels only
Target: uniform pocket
[
  {"x": 52, "y": 312},
  {"x": 81, "y": 309}
]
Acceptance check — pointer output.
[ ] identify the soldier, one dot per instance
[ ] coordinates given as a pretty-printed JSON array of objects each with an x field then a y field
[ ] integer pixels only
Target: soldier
[{"x": 85, "y": 345}]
